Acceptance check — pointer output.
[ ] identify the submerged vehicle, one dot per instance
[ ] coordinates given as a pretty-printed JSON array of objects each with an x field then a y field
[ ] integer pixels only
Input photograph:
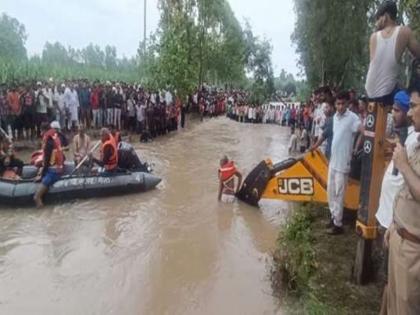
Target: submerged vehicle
[{"x": 73, "y": 186}]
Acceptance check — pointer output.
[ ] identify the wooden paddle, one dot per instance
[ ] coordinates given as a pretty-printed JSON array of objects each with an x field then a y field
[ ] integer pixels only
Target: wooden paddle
[
  {"x": 86, "y": 157},
  {"x": 4, "y": 133}
]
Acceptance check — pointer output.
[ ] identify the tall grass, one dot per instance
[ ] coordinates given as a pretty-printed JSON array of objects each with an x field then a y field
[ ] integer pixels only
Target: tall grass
[{"x": 33, "y": 70}]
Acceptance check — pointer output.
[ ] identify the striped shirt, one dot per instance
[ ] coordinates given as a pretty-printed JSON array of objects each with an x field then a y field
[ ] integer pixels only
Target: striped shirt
[{"x": 4, "y": 108}]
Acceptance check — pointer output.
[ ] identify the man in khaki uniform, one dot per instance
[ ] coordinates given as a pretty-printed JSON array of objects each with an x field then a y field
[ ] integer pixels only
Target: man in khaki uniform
[{"x": 403, "y": 236}]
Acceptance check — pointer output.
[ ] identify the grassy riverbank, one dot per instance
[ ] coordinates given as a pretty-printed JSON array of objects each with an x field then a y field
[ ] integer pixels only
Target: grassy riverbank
[{"x": 312, "y": 270}]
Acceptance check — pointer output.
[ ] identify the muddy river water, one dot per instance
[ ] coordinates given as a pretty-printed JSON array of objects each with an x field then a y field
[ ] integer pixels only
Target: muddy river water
[{"x": 174, "y": 250}]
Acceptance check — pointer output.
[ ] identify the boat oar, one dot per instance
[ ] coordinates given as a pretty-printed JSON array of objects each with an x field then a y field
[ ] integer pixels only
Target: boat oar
[
  {"x": 4, "y": 133},
  {"x": 86, "y": 157}
]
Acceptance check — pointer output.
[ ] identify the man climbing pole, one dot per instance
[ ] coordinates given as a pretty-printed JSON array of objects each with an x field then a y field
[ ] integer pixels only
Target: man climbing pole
[{"x": 387, "y": 46}]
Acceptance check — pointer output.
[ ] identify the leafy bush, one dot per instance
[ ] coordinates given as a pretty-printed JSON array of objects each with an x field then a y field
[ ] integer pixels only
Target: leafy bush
[{"x": 295, "y": 257}]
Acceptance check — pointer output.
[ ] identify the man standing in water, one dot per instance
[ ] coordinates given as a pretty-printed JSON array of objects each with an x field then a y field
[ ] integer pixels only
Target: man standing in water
[
  {"x": 227, "y": 174},
  {"x": 387, "y": 45},
  {"x": 53, "y": 163}
]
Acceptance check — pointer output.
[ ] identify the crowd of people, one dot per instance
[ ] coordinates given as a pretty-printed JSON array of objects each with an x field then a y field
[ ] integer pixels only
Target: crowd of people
[
  {"x": 284, "y": 114},
  {"x": 127, "y": 107},
  {"x": 341, "y": 121},
  {"x": 53, "y": 112}
]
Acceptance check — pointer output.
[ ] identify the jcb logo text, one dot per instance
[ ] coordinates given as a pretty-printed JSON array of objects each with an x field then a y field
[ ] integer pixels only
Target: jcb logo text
[{"x": 296, "y": 186}]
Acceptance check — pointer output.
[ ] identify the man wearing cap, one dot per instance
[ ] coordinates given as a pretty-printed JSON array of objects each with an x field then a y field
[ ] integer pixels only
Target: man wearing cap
[
  {"x": 387, "y": 45},
  {"x": 403, "y": 236},
  {"x": 64, "y": 141},
  {"x": 392, "y": 180}
]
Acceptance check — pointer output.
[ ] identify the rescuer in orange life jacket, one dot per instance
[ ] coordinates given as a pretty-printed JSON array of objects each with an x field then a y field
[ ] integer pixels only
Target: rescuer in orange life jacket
[
  {"x": 53, "y": 162},
  {"x": 109, "y": 153},
  {"x": 227, "y": 174}
]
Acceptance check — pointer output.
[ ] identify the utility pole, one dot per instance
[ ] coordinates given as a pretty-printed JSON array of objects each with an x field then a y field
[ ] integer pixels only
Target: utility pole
[{"x": 144, "y": 28}]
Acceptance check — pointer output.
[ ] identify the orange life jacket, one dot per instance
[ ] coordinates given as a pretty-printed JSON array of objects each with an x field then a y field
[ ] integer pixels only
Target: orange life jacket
[
  {"x": 57, "y": 156},
  {"x": 37, "y": 158},
  {"x": 10, "y": 174},
  {"x": 113, "y": 161},
  {"x": 227, "y": 171}
]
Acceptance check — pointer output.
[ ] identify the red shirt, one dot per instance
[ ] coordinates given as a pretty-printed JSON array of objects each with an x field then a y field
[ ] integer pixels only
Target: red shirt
[{"x": 94, "y": 99}]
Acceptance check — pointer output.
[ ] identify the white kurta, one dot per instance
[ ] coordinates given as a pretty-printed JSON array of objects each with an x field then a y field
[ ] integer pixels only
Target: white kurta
[{"x": 72, "y": 102}]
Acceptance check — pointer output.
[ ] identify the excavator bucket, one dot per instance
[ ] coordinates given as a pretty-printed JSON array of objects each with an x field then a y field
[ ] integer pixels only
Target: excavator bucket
[{"x": 301, "y": 179}]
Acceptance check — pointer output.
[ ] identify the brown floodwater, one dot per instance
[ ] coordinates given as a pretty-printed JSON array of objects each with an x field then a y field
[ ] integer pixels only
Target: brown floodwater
[{"x": 174, "y": 250}]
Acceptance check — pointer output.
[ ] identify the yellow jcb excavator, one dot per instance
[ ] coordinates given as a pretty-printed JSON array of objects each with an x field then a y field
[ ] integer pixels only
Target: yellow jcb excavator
[
  {"x": 301, "y": 179},
  {"x": 305, "y": 178}
]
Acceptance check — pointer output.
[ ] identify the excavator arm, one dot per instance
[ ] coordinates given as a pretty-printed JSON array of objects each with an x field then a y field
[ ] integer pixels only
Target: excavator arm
[{"x": 300, "y": 179}]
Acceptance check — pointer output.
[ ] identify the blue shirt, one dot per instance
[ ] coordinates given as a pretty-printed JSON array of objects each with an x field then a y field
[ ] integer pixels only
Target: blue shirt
[{"x": 84, "y": 97}]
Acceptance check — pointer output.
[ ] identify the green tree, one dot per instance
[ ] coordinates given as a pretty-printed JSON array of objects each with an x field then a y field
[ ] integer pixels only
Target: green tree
[
  {"x": 259, "y": 67},
  {"x": 12, "y": 39},
  {"x": 410, "y": 11},
  {"x": 331, "y": 37},
  {"x": 93, "y": 55},
  {"x": 175, "y": 67},
  {"x": 55, "y": 54},
  {"x": 285, "y": 84},
  {"x": 110, "y": 57}
]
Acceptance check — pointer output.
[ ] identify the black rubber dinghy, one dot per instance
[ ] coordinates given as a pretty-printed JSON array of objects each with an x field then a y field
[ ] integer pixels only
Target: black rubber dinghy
[{"x": 20, "y": 193}]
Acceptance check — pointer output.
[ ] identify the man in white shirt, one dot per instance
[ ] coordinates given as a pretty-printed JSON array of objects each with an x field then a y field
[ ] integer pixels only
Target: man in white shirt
[
  {"x": 141, "y": 116},
  {"x": 319, "y": 120},
  {"x": 153, "y": 98},
  {"x": 346, "y": 124},
  {"x": 61, "y": 108},
  {"x": 195, "y": 99},
  {"x": 254, "y": 114},
  {"x": 293, "y": 142},
  {"x": 72, "y": 102},
  {"x": 319, "y": 114},
  {"x": 250, "y": 110},
  {"x": 168, "y": 98}
]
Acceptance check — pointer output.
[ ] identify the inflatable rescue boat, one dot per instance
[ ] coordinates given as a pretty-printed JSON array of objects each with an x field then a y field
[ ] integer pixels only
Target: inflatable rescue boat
[{"x": 21, "y": 192}]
